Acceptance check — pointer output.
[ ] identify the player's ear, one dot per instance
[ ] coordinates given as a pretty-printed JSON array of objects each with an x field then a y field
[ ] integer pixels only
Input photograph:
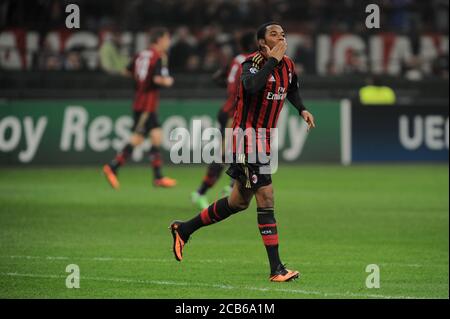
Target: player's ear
[{"x": 261, "y": 44}]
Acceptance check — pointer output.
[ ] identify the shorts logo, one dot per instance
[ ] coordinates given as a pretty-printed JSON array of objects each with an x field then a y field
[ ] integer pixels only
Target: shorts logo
[{"x": 254, "y": 179}]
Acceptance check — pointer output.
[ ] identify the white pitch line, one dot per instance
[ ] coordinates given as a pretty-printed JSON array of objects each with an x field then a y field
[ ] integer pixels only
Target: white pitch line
[
  {"x": 219, "y": 286},
  {"x": 130, "y": 259},
  {"x": 220, "y": 261}
]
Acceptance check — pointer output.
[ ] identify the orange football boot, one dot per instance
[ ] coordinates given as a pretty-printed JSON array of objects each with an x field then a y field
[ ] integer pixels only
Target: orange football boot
[
  {"x": 111, "y": 176},
  {"x": 165, "y": 182},
  {"x": 178, "y": 242},
  {"x": 282, "y": 274}
]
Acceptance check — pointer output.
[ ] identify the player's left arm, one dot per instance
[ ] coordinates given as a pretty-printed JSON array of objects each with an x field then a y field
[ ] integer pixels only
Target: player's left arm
[
  {"x": 128, "y": 71},
  {"x": 161, "y": 75},
  {"x": 294, "y": 97}
]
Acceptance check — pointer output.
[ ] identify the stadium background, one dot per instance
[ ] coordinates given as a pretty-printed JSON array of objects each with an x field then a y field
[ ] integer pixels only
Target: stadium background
[{"x": 64, "y": 112}]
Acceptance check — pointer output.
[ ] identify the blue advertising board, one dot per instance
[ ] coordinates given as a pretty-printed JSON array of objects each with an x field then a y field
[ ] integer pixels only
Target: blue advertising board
[{"x": 399, "y": 133}]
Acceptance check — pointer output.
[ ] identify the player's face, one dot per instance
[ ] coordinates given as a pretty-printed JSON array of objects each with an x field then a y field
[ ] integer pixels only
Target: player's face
[
  {"x": 165, "y": 42},
  {"x": 274, "y": 34}
]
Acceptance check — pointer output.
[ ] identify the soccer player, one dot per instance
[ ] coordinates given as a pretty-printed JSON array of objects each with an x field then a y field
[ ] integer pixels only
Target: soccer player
[
  {"x": 150, "y": 72},
  {"x": 268, "y": 77},
  {"x": 225, "y": 116}
]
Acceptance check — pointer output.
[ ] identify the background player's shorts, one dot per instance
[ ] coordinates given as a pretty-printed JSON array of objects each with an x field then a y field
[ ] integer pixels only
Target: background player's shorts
[
  {"x": 144, "y": 122},
  {"x": 249, "y": 176}
]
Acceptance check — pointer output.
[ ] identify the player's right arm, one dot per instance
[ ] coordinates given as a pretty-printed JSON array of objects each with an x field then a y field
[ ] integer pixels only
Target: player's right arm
[{"x": 255, "y": 79}]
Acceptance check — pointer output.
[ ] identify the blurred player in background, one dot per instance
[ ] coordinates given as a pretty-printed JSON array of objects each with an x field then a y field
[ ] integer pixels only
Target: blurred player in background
[
  {"x": 150, "y": 72},
  {"x": 230, "y": 78},
  {"x": 268, "y": 78}
]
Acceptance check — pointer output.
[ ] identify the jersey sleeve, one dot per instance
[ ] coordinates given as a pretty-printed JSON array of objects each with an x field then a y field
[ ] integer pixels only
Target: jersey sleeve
[
  {"x": 158, "y": 69},
  {"x": 254, "y": 77},
  {"x": 294, "y": 93}
]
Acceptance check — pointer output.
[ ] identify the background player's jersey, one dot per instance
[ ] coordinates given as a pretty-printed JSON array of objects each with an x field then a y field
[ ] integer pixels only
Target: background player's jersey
[
  {"x": 233, "y": 79},
  {"x": 144, "y": 67},
  {"x": 260, "y": 110}
]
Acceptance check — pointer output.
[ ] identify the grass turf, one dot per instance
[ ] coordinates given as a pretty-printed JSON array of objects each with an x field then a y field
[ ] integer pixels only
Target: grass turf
[{"x": 333, "y": 221}]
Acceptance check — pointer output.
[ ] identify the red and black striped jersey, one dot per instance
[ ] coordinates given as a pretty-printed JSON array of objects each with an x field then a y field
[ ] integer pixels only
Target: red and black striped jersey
[
  {"x": 144, "y": 67},
  {"x": 264, "y": 86},
  {"x": 258, "y": 106}
]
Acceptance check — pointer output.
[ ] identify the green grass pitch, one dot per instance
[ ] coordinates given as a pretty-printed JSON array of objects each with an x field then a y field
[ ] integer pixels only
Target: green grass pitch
[{"x": 333, "y": 221}]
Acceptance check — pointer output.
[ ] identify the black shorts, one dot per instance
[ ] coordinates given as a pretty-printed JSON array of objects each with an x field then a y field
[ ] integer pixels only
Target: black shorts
[
  {"x": 249, "y": 175},
  {"x": 144, "y": 122}
]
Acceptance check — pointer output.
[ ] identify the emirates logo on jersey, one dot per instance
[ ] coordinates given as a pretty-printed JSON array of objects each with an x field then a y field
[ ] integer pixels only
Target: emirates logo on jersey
[{"x": 280, "y": 95}]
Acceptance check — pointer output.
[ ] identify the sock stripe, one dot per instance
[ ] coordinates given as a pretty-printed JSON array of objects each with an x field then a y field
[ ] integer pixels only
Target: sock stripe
[
  {"x": 204, "y": 215},
  {"x": 155, "y": 157},
  {"x": 215, "y": 211},
  {"x": 156, "y": 160},
  {"x": 267, "y": 225},
  {"x": 156, "y": 163},
  {"x": 212, "y": 213},
  {"x": 268, "y": 210},
  {"x": 120, "y": 158},
  {"x": 270, "y": 240},
  {"x": 209, "y": 180}
]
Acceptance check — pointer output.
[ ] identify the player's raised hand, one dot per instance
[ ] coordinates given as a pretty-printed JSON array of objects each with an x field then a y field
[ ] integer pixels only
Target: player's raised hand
[
  {"x": 277, "y": 51},
  {"x": 165, "y": 81},
  {"x": 168, "y": 81},
  {"x": 309, "y": 119}
]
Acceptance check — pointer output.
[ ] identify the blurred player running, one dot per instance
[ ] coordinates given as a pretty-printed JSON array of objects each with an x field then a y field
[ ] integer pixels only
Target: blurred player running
[
  {"x": 268, "y": 77},
  {"x": 225, "y": 116},
  {"x": 150, "y": 72}
]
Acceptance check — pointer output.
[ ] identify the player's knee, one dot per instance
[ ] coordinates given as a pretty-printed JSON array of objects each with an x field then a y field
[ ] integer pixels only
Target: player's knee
[
  {"x": 156, "y": 136},
  {"x": 137, "y": 139},
  {"x": 266, "y": 200},
  {"x": 239, "y": 205}
]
